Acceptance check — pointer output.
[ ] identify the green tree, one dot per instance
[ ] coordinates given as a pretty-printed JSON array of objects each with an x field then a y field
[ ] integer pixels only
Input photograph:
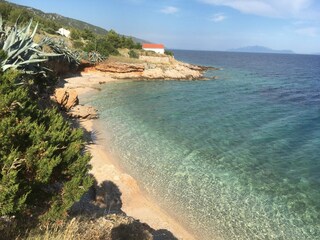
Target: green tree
[
  {"x": 87, "y": 34},
  {"x": 44, "y": 169},
  {"x": 75, "y": 34},
  {"x": 23, "y": 15},
  {"x": 5, "y": 10},
  {"x": 133, "y": 54},
  {"x": 169, "y": 53},
  {"x": 114, "y": 39}
]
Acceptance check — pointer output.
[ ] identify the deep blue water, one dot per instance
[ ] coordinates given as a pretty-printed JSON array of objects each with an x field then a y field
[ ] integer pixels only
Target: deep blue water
[{"x": 233, "y": 158}]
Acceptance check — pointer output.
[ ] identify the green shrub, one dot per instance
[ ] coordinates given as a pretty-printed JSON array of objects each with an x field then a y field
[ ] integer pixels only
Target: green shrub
[
  {"x": 169, "y": 53},
  {"x": 50, "y": 30},
  {"x": 43, "y": 167},
  {"x": 77, "y": 44},
  {"x": 75, "y": 34},
  {"x": 133, "y": 54}
]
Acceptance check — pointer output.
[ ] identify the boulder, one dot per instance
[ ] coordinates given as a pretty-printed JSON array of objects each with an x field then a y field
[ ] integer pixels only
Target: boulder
[
  {"x": 67, "y": 98},
  {"x": 83, "y": 112}
]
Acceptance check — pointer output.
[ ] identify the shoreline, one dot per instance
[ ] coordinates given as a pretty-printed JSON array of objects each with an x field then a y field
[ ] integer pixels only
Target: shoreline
[{"x": 105, "y": 167}]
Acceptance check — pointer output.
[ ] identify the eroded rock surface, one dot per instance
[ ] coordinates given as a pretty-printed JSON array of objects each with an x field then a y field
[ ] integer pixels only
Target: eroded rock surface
[
  {"x": 66, "y": 98},
  {"x": 113, "y": 67},
  {"x": 150, "y": 67},
  {"x": 83, "y": 112}
]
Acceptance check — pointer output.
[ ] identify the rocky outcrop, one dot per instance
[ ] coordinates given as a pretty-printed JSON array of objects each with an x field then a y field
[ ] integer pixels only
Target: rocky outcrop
[
  {"x": 69, "y": 101},
  {"x": 153, "y": 67},
  {"x": 83, "y": 112},
  {"x": 113, "y": 67},
  {"x": 66, "y": 98},
  {"x": 172, "y": 71}
]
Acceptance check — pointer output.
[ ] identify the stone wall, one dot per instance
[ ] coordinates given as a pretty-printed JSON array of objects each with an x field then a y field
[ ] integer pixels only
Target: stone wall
[{"x": 151, "y": 59}]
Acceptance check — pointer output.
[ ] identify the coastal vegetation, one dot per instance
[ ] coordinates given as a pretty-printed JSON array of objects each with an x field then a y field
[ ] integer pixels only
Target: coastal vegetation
[
  {"x": 44, "y": 168},
  {"x": 106, "y": 45}
]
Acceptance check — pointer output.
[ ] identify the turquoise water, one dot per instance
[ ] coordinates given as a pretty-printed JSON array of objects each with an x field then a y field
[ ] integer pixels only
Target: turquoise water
[{"x": 233, "y": 158}]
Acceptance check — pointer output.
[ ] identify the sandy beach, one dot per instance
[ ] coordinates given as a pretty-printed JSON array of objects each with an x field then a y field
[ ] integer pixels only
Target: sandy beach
[{"x": 135, "y": 203}]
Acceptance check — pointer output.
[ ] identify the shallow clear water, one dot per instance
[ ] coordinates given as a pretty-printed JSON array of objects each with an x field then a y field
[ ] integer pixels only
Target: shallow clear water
[{"x": 233, "y": 158}]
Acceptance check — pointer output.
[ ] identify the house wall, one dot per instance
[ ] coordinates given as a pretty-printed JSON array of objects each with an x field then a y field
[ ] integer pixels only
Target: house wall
[
  {"x": 157, "y": 50},
  {"x": 64, "y": 32}
]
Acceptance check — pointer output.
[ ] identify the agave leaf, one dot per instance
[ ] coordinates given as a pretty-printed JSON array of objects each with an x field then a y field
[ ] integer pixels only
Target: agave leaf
[
  {"x": 1, "y": 23},
  {"x": 34, "y": 31},
  {"x": 50, "y": 55},
  {"x": 9, "y": 40},
  {"x": 23, "y": 49},
  {"x": 27, "y": 31},
  {"x": 33, "y": 61}
]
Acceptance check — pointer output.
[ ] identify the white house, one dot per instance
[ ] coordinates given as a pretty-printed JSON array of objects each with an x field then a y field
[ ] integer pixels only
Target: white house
[
  {"x": 158, "y": 48},
  {"x": 64, "y": 32}
]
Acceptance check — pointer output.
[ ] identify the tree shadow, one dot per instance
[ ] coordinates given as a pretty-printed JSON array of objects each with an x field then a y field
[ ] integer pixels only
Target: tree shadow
[
  {"x": 104, "y": 199},
  {"x": 163, "y": 234},
  {"x": 89, "y": 136},
  {"x": 132, "y": 231},
  {"x": 140, "y": 231},
  {"x": 98, "y": 201}
]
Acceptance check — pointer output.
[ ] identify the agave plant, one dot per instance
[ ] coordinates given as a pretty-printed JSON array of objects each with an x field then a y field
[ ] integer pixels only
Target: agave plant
[
  {"x": 59, "y": 47},
  {"x": 21, "y": 50},
  {"x": 95, "y": 57}
]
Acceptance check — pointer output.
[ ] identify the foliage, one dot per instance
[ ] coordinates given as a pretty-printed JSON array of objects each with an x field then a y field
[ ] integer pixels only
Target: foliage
[
  {"x": 169, "y": 53},
  {"x": 43, "y": 168},
  {"x": 75, "y": 34},
  {"x": 22, "y": 14},
  {"x": 102, "y": 46},
  {"x": 87, "y": 34},
  {"x": 21, "y": 51},
  {"x": 5, "y": 10},
  {"x": 133, "y": 54},
  {"x": 95, "y": 57},
  {"x": 77, "y": 44},
  {"x": 59, "y": 47},
  {"x": 118, "y": 41}
]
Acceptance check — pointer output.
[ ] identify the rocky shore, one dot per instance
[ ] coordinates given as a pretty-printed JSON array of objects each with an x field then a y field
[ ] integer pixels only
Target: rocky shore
[{"x": 161, "y": 67}]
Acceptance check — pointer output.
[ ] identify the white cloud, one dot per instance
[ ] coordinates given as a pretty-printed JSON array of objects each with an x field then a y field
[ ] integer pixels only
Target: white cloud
[
  {"x": 218, "y": 17},
  {"x": 270, "y": 8},
  {"x": 308, "y": 31},
  {"x": 169, "y": 10}
]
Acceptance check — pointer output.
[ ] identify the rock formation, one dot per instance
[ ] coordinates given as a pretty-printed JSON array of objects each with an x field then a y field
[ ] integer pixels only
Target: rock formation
[
  {"x": 151, "y": 67},
  {"x": 66, "y": 98},
  {"x": 113, "y": 67},
  {"x": 68, "y": 101},
  {"x": 83, "y": 112}
]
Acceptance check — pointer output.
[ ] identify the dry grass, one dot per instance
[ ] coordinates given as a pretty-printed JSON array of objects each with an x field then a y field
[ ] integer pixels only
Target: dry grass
[
  {"x": 107, "y": 228},
  {"x": 123, "y": 59}
]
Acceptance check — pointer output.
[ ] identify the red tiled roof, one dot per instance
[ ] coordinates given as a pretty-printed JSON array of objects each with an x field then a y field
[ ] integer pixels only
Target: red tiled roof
[{"x": 151, "y": 45}]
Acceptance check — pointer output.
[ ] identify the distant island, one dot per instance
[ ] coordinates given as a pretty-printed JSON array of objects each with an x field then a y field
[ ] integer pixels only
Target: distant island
[{"x": 259, "y": 49}]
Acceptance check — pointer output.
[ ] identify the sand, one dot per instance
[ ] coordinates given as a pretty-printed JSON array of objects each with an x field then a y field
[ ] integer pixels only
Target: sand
[{"x": 135, "y": 202}]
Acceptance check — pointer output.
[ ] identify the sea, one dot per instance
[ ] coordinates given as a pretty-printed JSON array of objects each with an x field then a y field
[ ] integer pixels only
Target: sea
[{"x": 237, "y": 157}]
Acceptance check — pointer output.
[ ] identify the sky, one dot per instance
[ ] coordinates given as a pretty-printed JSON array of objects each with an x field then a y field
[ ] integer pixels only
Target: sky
[{"x": 201, "y": 24}]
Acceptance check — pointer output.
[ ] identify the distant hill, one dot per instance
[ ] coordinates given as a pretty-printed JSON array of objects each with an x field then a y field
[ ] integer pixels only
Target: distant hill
[
  {"x": 67, "y": 22},
  {"x": 259, "y": 49}
]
